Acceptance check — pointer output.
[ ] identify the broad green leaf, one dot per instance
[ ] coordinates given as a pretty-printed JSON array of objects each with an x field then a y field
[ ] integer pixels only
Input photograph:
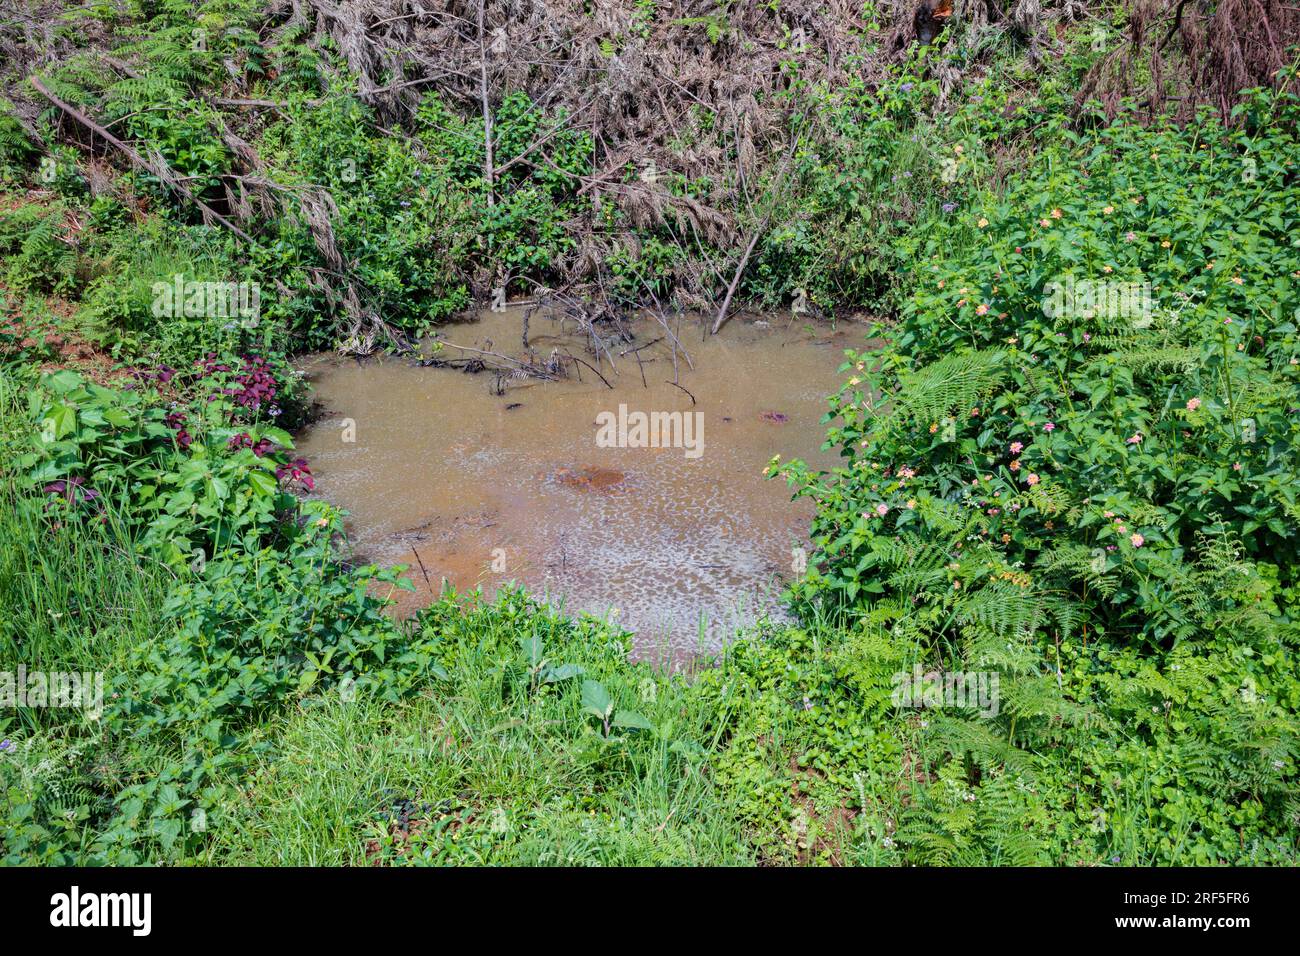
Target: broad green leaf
[
  {"x": 278, "y": 435},
  {"x": 531, "y": 646},
  {"x": 631, "y": 719},
  {"x": 595, "y": 699},
  {"x": 62, "y": 421},
  {"x": 262, "y": 482},
  {"x": 562, "y": 672}
]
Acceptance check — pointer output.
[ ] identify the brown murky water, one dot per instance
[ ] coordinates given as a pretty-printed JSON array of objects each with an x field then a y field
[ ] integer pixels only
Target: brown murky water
[{"x": 684, "y": 544}]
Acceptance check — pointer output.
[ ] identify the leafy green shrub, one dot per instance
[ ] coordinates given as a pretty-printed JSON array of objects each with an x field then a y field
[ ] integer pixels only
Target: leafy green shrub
[
  {"x": 647, "y": 271},
  {"x": 117, "y": 477},
  {"x": 249, "y": 632},
  {"x": 256, "y": 628},
  {"x": 875, "y": 163},
  {"x": 1092, "y": 497},
  {"x": 539, "y": 158},
  {"x": 131, "y": 262},
  {"x": 195, "y": 479},
  {"x": 400, "y": 224},
  {"x": 1103, "y": 451}
]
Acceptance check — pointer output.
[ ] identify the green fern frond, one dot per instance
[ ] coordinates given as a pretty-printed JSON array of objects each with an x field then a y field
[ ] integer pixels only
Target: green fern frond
[
  {"x": 1008, "y": 611},
  {"x": 954, "y": 383}
]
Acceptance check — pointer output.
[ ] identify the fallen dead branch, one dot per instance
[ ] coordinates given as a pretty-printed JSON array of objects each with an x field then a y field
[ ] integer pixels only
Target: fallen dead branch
[
  {"x": 755, "y": 235},
  {"x": 683, "y": 388},
  {"x": 497, "y": 360}
]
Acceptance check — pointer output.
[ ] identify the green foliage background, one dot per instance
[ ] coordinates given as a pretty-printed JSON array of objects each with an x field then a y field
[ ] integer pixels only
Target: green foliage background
[{"x": 1136, "y": 600}]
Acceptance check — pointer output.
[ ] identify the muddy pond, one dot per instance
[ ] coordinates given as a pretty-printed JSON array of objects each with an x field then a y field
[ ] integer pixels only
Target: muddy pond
[{"x": 557, "y": 485}]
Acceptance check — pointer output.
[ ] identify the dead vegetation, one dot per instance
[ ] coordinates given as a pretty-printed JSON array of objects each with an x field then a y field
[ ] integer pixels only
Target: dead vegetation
[
  {"x": 1185, "y": 54},
  {"x": 695, "y": 93}
]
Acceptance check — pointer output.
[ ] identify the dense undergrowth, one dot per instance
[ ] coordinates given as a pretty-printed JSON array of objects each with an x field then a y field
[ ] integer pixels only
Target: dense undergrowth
[
  {"x": 343, "y": 213},
  {"x": 1089, "y": 504}
]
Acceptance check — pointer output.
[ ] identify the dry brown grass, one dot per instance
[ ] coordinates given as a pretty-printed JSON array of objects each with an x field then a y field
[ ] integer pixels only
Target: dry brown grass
[{"x": 1183, "y": 54}]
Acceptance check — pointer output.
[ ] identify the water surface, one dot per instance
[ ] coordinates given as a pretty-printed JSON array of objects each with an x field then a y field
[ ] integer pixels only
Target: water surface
[{"x": 482, "y": 488}]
